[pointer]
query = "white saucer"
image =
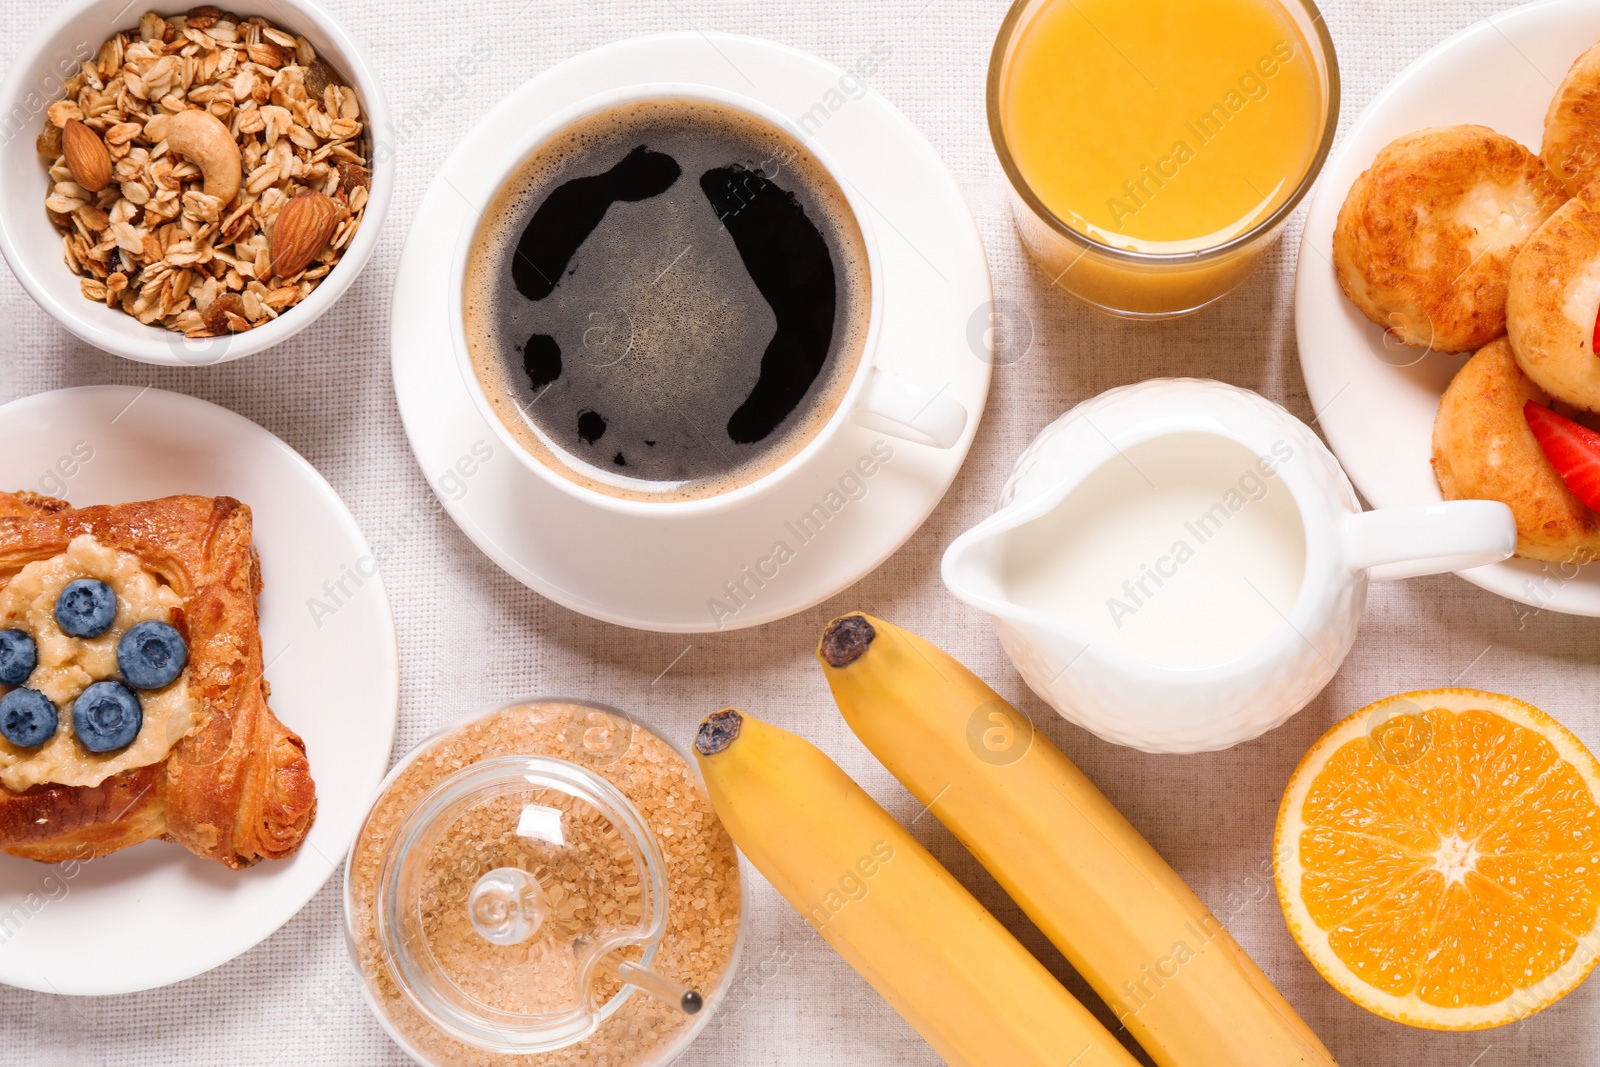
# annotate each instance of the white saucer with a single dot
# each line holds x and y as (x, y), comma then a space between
(1376, 413)
(155, 914)
(672, 575)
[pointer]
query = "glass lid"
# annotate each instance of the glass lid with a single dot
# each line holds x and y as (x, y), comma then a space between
(522, 903)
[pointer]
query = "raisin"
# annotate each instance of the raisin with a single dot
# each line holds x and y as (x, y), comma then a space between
(216, 315)
(352, 177)
(48, 143)
(319, 75)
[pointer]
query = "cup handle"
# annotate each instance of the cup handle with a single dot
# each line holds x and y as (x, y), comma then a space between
(1409, 542)
(910, 410)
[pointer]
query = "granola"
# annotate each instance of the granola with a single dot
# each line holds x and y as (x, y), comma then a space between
(155, 240)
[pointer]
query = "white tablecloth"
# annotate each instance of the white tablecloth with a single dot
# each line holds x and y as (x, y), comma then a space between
(471, 637)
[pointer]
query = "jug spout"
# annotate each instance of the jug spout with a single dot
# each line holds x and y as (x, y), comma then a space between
(972, 567)
(974, 570)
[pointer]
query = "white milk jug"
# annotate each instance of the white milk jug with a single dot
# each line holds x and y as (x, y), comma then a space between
(1180, 565)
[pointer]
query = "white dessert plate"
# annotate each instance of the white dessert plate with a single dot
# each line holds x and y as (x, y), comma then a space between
(154, 914)
(727, 571)
(1375, 400)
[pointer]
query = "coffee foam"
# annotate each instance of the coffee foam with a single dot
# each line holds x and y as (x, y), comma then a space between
(654, 312)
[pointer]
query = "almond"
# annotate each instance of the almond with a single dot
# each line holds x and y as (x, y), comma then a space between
(267, 54)
(87, 157)
(305, 226)
(204, 17)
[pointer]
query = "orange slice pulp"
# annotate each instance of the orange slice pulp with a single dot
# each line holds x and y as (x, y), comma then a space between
(1438, 859)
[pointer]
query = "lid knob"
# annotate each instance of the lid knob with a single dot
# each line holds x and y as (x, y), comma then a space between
(506, 906)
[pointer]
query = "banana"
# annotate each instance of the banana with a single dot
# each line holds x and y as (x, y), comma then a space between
(1170, 970)
(889, 908)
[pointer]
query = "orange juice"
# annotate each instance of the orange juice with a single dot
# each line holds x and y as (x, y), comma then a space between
(1151, 123)
(1156, 147)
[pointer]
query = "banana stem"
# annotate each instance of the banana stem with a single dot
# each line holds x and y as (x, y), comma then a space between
(718, 731)
(846, 640)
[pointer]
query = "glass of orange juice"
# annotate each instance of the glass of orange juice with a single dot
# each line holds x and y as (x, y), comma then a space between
(1155, 148)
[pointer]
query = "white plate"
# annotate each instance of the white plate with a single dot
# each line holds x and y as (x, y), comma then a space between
(1377, 412)
(154, 914)
(671, 575)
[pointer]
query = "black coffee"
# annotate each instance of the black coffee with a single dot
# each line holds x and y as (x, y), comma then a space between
(669, 301)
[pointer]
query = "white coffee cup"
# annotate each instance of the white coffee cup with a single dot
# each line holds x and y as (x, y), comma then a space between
(880, 399)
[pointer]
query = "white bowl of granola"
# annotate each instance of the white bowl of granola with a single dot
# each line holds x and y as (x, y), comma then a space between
(147, 162)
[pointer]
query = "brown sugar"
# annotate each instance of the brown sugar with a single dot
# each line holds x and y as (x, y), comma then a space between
(600, 883)
(701, 872)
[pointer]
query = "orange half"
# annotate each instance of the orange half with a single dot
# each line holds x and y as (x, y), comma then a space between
(1438, 859)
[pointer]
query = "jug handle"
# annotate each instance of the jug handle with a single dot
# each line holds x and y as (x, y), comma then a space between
(1408, 542)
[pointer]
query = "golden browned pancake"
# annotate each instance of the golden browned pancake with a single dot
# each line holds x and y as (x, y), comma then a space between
(1426, 237)
(1572, 125)
(1554, 299)
(1484, 450)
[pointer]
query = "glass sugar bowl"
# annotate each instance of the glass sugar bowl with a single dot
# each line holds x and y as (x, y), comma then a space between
(541, 885)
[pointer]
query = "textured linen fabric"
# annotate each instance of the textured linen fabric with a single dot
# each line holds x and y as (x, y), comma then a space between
(471, 637)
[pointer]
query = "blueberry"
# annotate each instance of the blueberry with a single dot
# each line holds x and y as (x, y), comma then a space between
(106, 716)
(27, 718)
(151, 655)
(18, 657)
(86, 608)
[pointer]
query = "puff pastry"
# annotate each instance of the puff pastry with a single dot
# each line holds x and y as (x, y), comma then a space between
(238, 788)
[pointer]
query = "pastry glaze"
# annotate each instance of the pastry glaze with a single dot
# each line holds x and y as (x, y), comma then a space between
(237, 789)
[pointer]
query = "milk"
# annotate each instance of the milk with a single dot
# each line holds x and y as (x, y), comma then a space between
(1185, 551)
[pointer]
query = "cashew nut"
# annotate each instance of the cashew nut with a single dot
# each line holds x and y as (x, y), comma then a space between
(200, 137)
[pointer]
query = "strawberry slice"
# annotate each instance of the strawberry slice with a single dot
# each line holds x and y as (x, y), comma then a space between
(1573, 450)
(1594, 346)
